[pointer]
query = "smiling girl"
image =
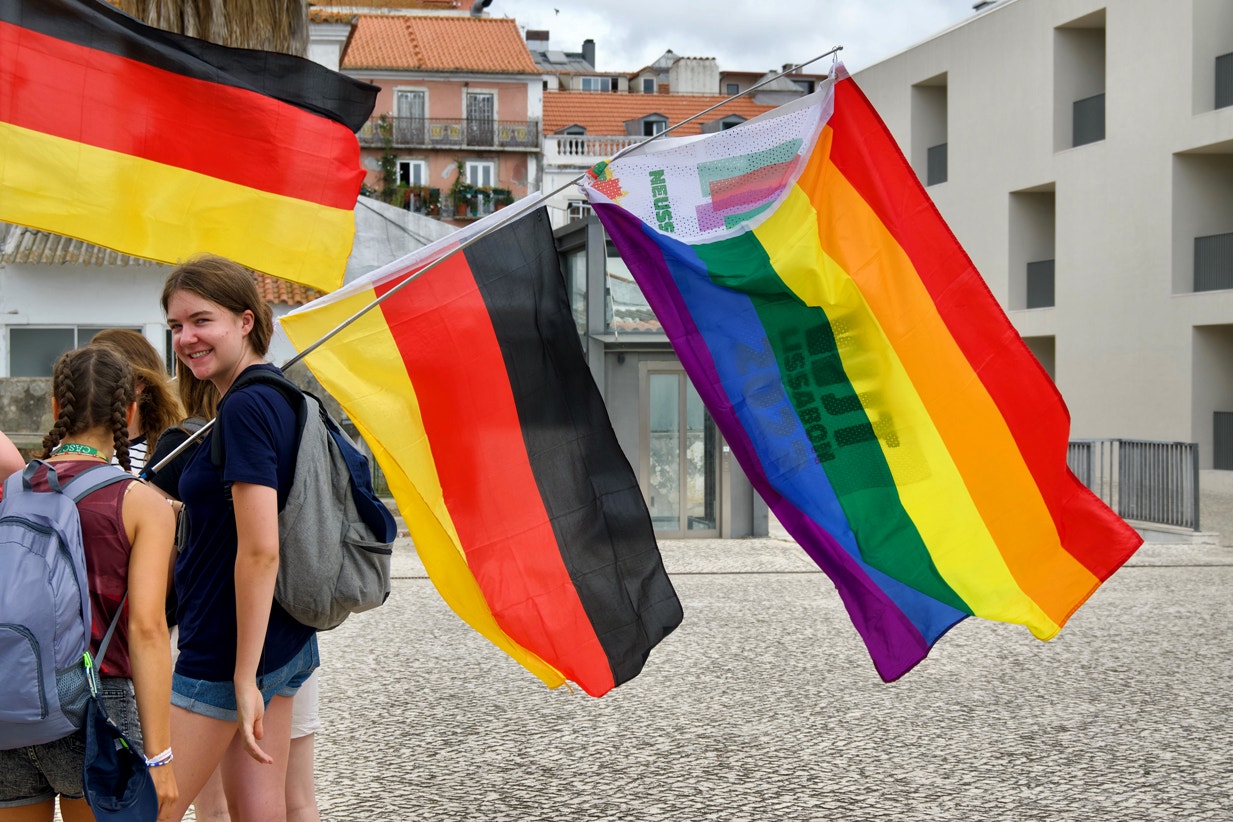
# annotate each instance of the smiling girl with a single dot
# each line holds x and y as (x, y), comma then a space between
(242, 657)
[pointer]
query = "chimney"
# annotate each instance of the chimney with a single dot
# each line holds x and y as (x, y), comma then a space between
(537, 39)
(588, 51)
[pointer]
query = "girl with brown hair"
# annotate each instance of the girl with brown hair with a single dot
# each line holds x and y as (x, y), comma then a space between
(242, 657)
(158, 408)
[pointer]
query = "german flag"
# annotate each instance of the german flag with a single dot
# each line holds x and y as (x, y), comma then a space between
(163, 146)
(470, 385)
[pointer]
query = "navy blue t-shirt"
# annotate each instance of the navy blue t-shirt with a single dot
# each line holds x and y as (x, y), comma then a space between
(258, 427)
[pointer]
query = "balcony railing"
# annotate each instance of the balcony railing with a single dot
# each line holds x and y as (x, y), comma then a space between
(568, 147)
(419, 132)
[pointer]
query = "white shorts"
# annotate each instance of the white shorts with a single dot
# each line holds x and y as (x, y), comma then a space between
(305, 718)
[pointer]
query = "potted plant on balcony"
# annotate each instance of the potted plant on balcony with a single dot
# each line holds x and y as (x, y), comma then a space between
(501, 197)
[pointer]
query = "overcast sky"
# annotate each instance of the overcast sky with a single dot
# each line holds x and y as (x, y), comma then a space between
(743, 35)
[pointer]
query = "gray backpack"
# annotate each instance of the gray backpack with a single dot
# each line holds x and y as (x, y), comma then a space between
(334, 533)
(44, 605)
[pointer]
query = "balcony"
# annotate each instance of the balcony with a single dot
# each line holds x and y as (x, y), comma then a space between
(462, 202)
(418, 132)
(583, 149)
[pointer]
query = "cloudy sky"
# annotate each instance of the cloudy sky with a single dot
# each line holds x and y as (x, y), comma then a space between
(743, 35)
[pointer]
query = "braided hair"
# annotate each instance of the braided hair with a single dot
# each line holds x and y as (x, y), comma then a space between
(94, 387)
(158, 407)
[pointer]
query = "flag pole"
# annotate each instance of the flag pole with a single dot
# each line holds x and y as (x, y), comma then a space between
(543, 198)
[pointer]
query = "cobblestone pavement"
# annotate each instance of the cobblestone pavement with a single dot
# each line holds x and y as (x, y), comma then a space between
(764, 705)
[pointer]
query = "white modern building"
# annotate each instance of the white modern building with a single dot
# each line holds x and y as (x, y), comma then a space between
(1082, 152)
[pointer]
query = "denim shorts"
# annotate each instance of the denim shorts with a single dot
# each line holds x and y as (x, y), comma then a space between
(37, 773)
(217, 699)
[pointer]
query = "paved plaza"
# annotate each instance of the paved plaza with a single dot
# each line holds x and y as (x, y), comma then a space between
(764, 705)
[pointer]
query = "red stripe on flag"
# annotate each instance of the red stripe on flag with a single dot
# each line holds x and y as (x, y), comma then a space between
(445, 337)
(866, 154)
(130, 107)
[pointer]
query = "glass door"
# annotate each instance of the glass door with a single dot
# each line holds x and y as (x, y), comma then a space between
(481, 111)
(680, 475)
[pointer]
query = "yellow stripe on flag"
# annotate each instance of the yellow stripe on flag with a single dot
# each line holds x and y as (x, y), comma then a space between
(974, 431)
(362, 368)
(930, 486)
(59, 185)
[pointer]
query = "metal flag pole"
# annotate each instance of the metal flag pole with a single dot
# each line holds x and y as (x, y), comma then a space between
(540, 200)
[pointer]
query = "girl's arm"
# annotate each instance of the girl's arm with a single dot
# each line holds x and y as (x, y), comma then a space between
(10, 457)
(256, 568)
(151, 531)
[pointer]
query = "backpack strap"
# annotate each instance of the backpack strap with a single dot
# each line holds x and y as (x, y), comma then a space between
(262, 376)
(94, 665)
(192, 425)
(84, 484)
(76, 489)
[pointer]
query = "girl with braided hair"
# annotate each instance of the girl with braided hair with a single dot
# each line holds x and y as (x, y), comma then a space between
(127, 530)
(158, 407)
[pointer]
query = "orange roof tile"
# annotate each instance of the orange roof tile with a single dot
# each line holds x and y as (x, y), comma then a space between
(274, 290)
(427, 43)
(606, 114)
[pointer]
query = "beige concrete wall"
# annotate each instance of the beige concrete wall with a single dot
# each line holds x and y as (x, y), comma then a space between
(1126, 209)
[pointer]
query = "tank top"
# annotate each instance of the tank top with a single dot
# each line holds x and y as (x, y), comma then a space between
(107, 553)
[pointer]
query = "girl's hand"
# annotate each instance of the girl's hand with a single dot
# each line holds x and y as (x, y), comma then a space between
(250, 710)
(165, 785)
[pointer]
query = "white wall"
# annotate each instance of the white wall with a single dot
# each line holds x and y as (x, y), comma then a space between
(1126, 208)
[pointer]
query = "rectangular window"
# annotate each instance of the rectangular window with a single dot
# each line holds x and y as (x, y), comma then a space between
(409, 112)
(935, 165)
(576, 286)
(33, 351)
(1222, 447)
(578, 210)
(412, 172)
(648, 85)
(1089, 124)
(1213, 262)
(1040, 284)
(652, 127)
(597, 83)
(732, 88)
(1224, 80)
(480, 173)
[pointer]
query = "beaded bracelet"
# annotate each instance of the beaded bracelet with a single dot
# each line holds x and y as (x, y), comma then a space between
(161, 759)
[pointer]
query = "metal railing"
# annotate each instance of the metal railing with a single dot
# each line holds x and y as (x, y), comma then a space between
(1142, 480)
(421, 132)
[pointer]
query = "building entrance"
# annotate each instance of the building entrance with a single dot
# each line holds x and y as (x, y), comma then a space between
(680, 468)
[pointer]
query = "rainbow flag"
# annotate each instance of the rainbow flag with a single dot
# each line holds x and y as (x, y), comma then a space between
(865, 378)
(163, 146)
(470, 386)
